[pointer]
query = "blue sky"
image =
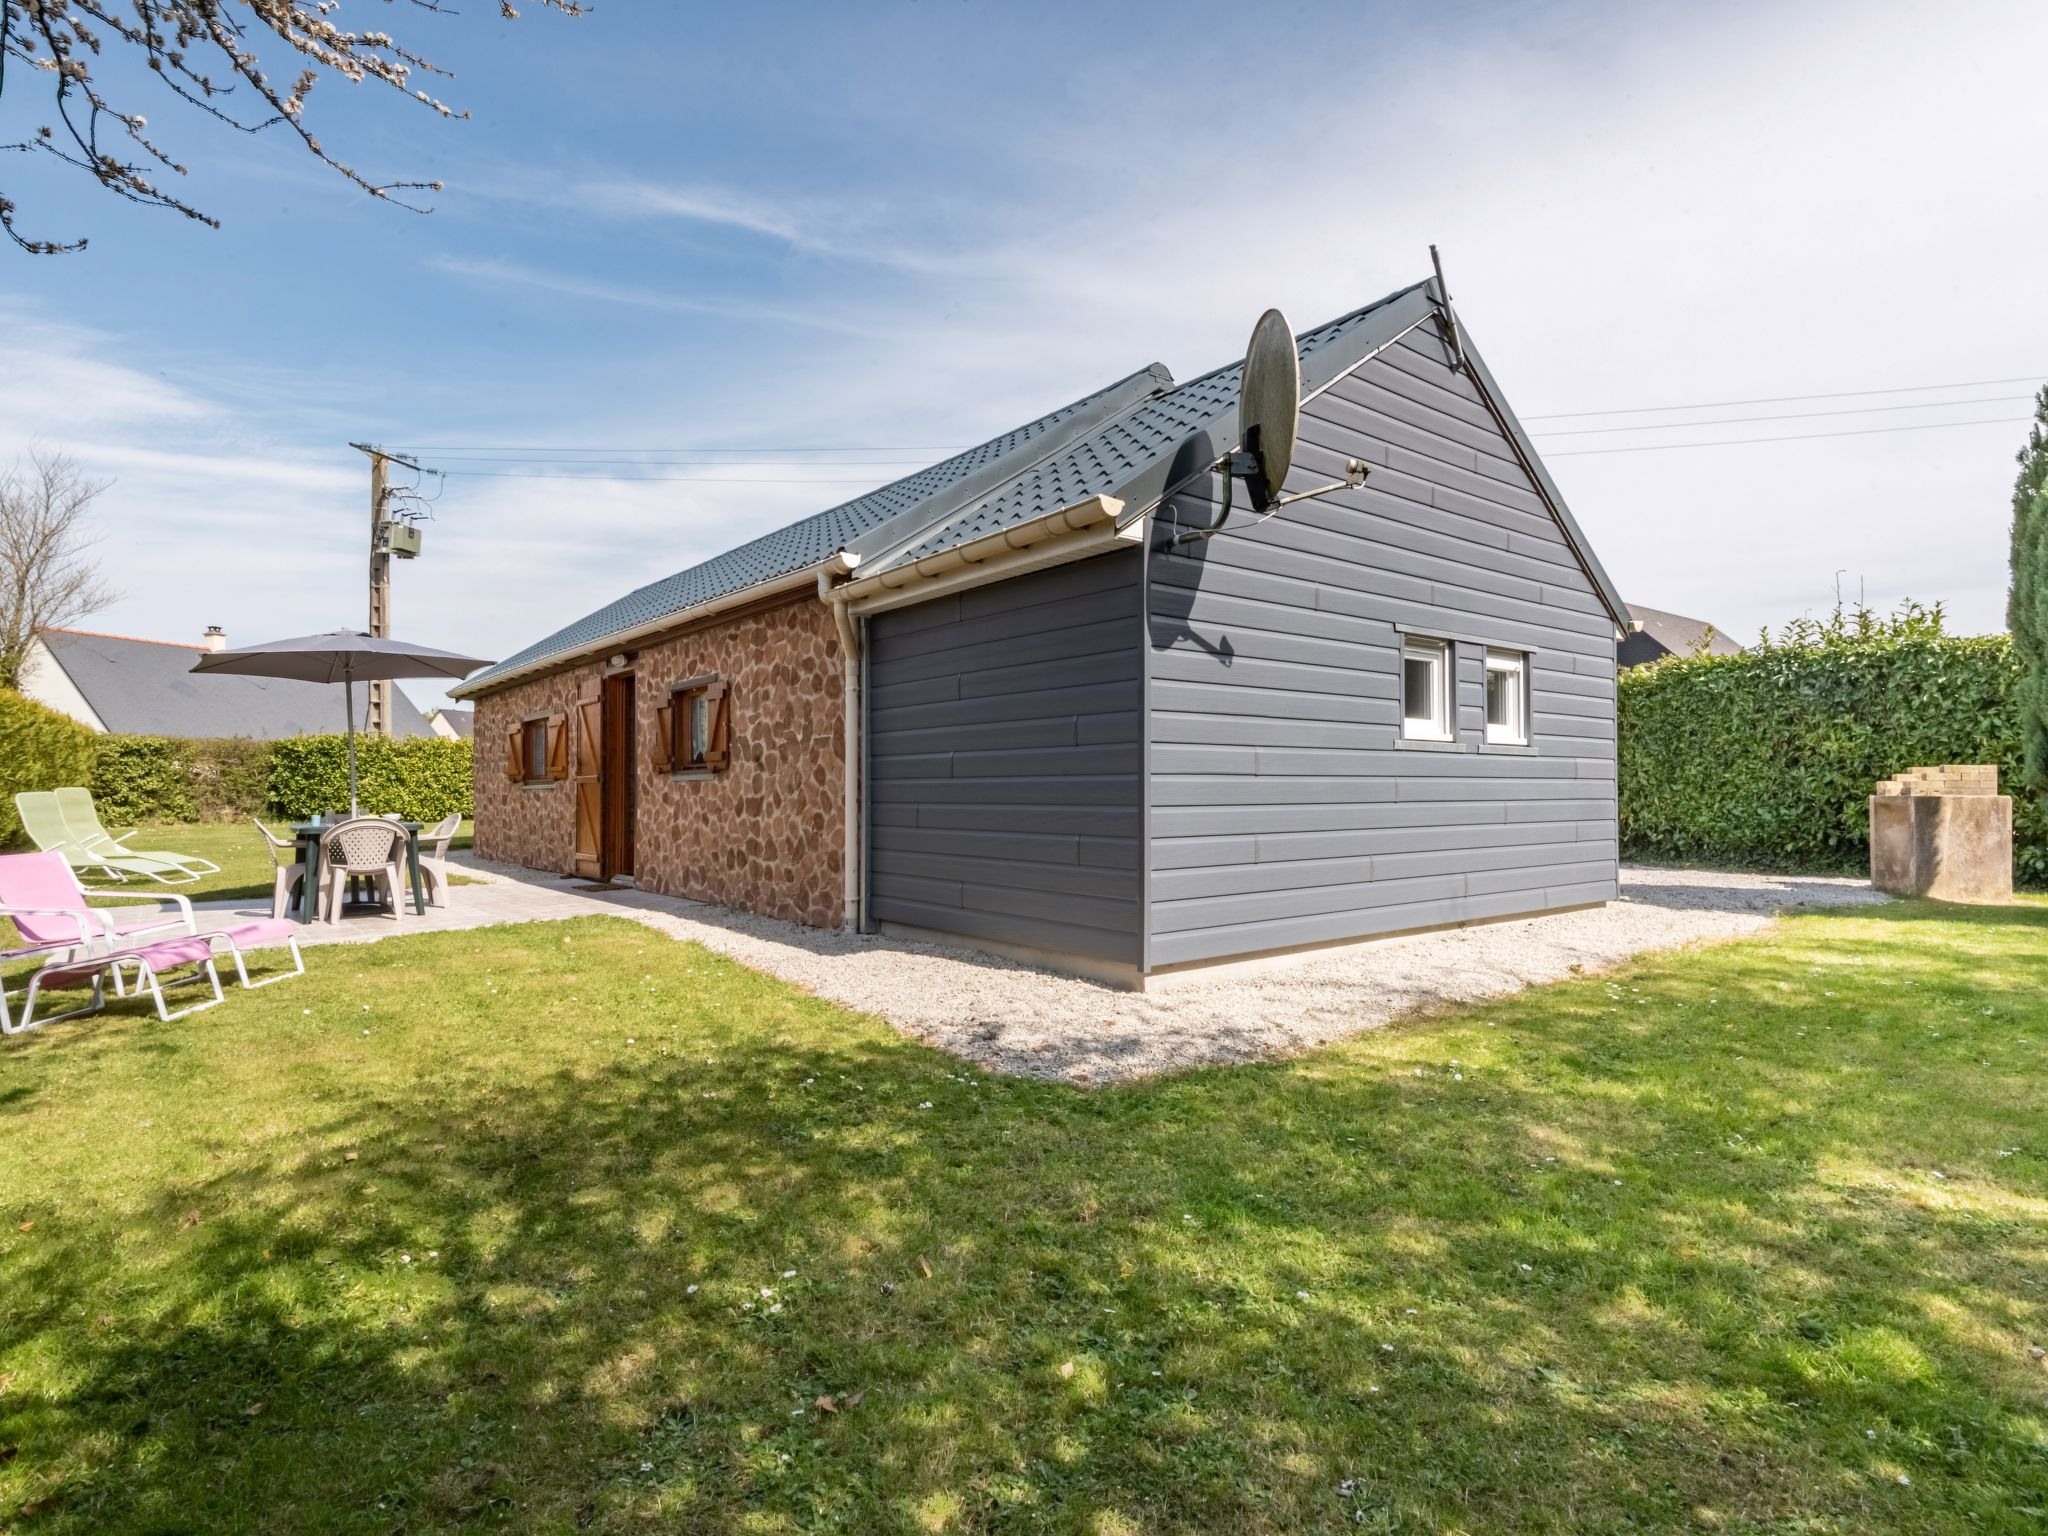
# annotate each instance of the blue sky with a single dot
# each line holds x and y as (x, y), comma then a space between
(888, 229)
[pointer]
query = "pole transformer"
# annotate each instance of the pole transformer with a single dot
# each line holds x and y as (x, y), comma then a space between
(383, 541)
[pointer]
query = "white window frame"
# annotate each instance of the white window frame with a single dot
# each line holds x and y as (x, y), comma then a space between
(1436, 724)
(1514, 731)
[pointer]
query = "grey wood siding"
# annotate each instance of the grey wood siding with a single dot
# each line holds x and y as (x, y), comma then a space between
(1004, 747)
(1282, 807)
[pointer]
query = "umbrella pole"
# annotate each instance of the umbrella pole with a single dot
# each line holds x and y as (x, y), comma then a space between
(348, 694)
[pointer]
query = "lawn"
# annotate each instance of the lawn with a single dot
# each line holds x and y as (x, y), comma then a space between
(571, 1228)
(246, 872)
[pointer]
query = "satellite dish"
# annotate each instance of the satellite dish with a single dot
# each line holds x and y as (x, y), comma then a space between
(1269, 419)
(1269, 409)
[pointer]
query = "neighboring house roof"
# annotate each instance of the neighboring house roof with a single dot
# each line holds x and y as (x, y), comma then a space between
(1671, 634)
(1131, 441)
(146, 688)
(461, 721)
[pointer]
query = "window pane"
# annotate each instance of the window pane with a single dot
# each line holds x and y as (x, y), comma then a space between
(536, 744)
(1507, 699)
(1417, 689)
(1500, 696)
(700, 727)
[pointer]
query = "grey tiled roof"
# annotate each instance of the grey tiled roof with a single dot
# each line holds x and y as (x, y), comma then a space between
(802, 543)
(1103, 458)
(1673, 634)
(147, 688)
(1101, 464)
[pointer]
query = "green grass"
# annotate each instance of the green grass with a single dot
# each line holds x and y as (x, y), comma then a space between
(246, 872)
(479, 1231)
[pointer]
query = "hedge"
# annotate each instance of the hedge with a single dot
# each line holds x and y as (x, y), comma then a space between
(160, 778)
(39, 749)
(137, 780)
(421, 778)
(1767, 759)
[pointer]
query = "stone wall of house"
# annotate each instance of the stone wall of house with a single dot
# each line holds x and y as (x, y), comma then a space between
(765, 835)
(530, 824)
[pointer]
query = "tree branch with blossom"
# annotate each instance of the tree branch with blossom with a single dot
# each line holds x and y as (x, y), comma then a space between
(205, 54)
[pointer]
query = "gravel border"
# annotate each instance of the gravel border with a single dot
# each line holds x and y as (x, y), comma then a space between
(1013, 1018)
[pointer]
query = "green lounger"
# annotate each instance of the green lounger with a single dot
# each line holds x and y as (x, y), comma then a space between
(45, 826)
(82, 817)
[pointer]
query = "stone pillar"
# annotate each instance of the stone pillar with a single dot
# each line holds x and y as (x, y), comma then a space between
(1942, 832)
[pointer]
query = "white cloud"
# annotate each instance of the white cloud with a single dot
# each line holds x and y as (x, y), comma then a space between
(1685, 205)
(518, 274)
(52, 381)
(824, 226)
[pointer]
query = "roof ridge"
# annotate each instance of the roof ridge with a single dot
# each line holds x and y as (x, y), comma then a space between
(107, 634)
(936, 464)
(1331, 324)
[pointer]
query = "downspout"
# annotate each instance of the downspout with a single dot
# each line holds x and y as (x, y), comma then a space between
(849, 658)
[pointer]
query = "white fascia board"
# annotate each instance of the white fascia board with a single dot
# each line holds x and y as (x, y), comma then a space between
(1072, 533)
(626, 639)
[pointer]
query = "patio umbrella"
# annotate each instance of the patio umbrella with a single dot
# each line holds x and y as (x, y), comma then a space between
(340, 656)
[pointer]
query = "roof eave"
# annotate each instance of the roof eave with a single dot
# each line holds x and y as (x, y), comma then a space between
(836, 563)
(910, 527)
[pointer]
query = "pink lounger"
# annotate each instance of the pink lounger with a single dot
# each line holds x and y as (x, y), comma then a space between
(265, 930)
(150, 962)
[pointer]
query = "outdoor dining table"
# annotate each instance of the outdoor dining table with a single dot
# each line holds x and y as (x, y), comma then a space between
(310, 837)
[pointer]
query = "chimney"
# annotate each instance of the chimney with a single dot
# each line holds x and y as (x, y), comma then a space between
(215, 638)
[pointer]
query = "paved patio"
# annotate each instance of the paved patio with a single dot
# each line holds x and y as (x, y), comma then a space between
(1013, 1018)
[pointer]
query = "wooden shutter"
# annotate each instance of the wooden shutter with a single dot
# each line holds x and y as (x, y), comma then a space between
(589, 778)
(665, 738)
(515, 753)
(558, 747)
(717, 751)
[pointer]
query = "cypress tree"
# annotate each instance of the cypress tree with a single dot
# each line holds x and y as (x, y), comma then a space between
(2027, 608)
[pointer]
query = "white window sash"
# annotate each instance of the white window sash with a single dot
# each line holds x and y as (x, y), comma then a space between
(1514, 667)
(1435, 725)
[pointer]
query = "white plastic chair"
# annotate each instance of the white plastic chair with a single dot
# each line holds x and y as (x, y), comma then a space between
(434, 866)
(368, 848)
(288, 874)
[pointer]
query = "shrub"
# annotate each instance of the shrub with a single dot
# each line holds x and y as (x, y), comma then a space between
(422, 778)
(160, 778)
(39, 749)
(1768, 758)
(142, 778)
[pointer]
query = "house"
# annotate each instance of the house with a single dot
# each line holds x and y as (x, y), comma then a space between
(452, 724)
(146, 688)
(1654, 633)
(1035, 699)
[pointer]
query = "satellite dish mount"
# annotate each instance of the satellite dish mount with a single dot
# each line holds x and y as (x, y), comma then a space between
(1269, 422)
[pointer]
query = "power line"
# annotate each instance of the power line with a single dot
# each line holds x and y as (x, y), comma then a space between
(487, 450)
(1733, 421)
(1846, 394)
(564, 459)
(1792, 437)
(593, 458)
(523, 474)
(1562, 453)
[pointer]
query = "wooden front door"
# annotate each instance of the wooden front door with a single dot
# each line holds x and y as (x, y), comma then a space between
(620, 798)
(589, 779)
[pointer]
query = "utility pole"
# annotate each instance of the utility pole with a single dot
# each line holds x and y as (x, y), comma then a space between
(378, 721)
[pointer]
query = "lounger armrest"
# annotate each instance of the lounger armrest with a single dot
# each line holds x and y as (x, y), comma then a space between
(160, 898)
(89, 917)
